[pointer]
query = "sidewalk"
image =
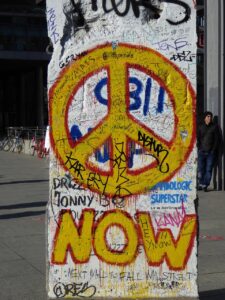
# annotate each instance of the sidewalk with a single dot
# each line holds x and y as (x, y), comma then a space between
(211, 257)
(23, 199)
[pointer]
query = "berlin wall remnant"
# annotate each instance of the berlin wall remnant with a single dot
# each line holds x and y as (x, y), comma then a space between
(121, 215)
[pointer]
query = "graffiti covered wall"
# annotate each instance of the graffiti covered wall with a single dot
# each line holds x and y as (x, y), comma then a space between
(121, 215)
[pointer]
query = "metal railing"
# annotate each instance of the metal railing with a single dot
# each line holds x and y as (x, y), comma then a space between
(16, 137)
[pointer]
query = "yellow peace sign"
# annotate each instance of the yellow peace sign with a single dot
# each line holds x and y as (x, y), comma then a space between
(119, 126)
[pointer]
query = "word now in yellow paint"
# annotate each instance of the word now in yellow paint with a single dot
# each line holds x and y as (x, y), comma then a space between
(78, 239)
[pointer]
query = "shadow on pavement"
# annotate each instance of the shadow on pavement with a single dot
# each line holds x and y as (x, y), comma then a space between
(24, 181)
(22, 215)
(212, 295)
(24, 205)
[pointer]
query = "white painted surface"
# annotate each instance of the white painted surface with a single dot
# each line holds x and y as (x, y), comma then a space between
(87, 108)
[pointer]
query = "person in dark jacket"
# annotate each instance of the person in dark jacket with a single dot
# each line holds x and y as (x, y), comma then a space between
(207, 143)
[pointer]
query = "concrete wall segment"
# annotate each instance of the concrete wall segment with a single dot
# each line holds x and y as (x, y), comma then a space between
(121, 217)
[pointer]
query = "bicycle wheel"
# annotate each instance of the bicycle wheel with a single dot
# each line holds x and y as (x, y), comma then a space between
(19, 148)
(8, 145)
(2, 143)
(18, 145)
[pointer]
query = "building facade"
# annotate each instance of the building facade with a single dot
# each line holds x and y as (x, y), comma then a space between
(23, 60)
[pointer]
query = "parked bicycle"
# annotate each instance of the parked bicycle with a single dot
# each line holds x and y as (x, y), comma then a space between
(13, 141)
(6, 144)
(38, 146)
(27, 139)
(18, 144)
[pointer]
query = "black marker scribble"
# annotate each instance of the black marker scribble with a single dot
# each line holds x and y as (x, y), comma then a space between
(187, 12)
(75, 12)
(151, 11)
(74, 289)
(75, 21)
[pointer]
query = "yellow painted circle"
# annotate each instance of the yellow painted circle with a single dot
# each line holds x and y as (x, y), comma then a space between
(119, 125)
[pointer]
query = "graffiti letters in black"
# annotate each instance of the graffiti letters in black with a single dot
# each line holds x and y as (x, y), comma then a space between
(74, 164)
(152, 8)
(75, 10)
(115, 6)
(187, 13)
(183, 56)
(120, 165)
(158, 152)
(74, 289)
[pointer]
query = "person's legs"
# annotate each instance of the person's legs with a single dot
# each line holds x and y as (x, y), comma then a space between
(208, 169)
(201, 168)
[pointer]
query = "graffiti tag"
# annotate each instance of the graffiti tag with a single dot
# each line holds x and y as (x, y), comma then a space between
(83, 290)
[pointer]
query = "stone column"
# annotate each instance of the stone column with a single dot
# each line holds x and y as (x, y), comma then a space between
(214, 70)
